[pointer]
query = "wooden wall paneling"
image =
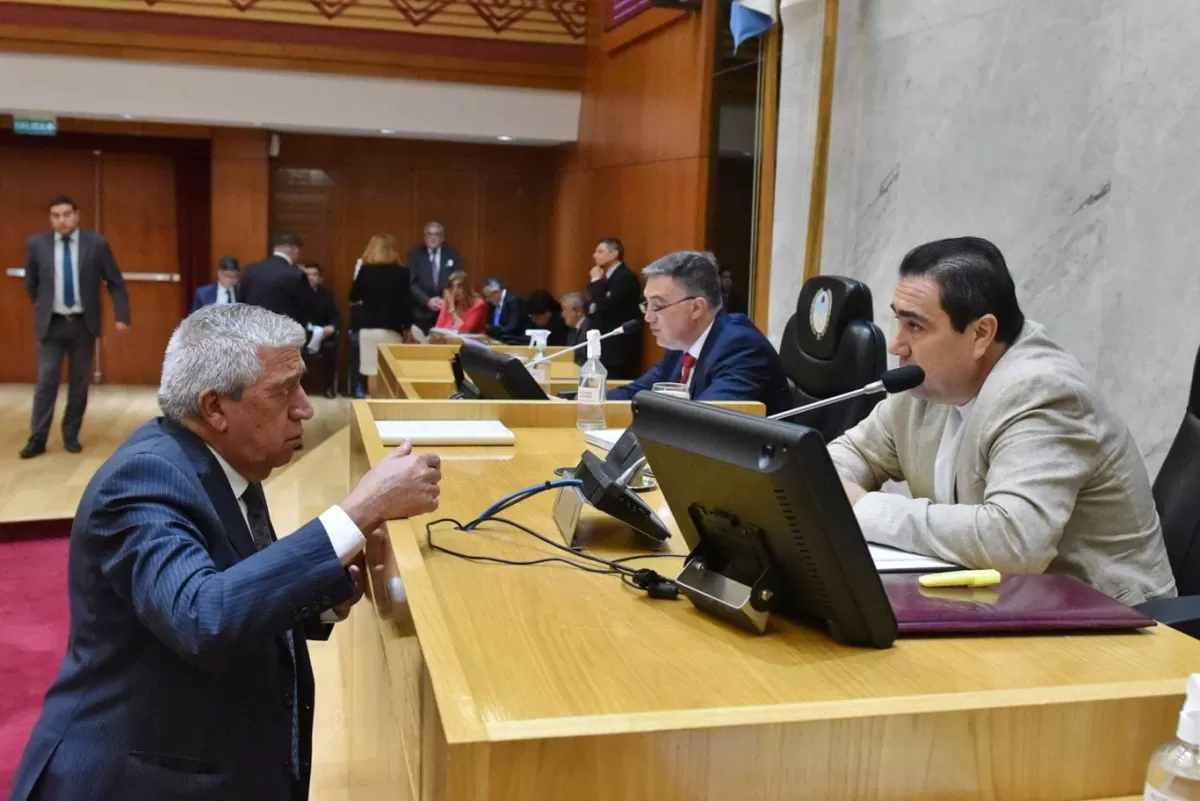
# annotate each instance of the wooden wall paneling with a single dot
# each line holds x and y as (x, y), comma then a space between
(99, 33)
(137, 196)
(302, 200)
(241, 190)
(571, 232)
(29, 180)
(515, 221)
(452, 198)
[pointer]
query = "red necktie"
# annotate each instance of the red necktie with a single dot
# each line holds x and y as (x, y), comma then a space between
(689, 361)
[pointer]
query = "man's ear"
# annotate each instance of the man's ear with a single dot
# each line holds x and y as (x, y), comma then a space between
(210, 408)
(985, 330)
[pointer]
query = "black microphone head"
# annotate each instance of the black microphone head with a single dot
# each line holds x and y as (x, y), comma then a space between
(629, 326)
(903, 378)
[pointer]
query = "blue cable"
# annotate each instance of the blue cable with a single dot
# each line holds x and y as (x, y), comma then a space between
(521, 495)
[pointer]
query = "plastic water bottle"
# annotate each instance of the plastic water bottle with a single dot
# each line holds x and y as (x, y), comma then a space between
(592, 387)
(538, 339)
(1174, 771)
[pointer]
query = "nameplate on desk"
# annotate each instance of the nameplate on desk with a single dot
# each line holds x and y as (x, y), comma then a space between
(445, 432)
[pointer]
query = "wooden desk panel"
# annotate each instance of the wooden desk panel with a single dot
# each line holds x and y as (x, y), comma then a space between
(547, 682)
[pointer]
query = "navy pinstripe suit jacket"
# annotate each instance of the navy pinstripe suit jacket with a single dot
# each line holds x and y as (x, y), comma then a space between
(177, 683)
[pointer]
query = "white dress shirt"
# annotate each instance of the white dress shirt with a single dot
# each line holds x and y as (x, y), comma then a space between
(608, 273)
(59, 306)
(947, 454)
(224, 295)
(344, 536)
(695, 350)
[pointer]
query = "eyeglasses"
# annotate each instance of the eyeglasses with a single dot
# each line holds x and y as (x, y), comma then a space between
(646, 307)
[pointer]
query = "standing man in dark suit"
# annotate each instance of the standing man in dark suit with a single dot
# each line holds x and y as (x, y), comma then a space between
(187, 672)
(615, 292)
(225, 290)
(278, 283)
(326, 318)
(719, 356)
(429, 267)
(574, 312)
(507, 320)
(63, 271)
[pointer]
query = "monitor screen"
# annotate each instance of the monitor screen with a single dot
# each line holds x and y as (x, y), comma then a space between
(498, 376)
(760, 497)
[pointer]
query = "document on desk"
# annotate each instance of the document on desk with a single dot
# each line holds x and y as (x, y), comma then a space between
(604, 438)
(894, 560)
(445, 432)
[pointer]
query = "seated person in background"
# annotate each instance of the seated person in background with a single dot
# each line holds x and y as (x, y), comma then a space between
(545, 313)
(463, 310)
(719, 356)
(1013, 460)
(507, 320)
(224, 290)
(325, 317)
(574, 312)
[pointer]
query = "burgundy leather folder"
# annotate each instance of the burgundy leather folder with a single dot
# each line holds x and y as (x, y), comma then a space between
(1021, 602)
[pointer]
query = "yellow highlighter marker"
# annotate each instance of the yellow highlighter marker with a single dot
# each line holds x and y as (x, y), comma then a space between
(961, 578)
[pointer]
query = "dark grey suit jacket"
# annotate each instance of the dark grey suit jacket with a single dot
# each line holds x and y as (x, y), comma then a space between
(96, 264)
(421, 272)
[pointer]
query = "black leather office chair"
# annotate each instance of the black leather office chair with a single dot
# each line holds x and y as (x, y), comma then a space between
(830, 346)
(1177, 497)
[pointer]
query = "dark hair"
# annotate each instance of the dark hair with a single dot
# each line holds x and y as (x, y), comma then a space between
(312, 265)
(228, 264)
(696, 270)
(493, 284)
(973, 280)
(612, 243)
(540, 301)
(63, 200)
(287, 239)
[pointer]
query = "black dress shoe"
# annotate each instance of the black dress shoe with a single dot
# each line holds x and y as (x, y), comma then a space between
(331, 393)
(33, 448)
(73, 446)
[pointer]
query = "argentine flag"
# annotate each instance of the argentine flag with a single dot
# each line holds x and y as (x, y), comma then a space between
(750, 18)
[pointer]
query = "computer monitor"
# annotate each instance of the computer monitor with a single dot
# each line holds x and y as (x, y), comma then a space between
(766, 517)
(498, 376)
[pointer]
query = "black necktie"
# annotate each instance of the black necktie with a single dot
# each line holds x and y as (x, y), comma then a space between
(263, 535)
(257, 516)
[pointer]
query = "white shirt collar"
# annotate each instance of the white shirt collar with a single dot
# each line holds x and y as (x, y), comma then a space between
(608, 273)
(73, 236)
(236, 482)
(965, 410)
(698, 345)
(284, 256)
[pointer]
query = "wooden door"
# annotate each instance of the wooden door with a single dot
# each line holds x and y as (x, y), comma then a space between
(29, 180)
(137, 216)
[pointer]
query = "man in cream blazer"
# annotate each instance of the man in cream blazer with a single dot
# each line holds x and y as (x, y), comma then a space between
(1013, 461)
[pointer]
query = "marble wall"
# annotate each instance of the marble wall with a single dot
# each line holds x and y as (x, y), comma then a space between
(1066, 131)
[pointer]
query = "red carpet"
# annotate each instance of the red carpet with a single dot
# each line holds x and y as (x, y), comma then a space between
(33, 629)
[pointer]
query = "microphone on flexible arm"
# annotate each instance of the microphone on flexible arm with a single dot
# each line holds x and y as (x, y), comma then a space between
(901, 379)
(627, 327)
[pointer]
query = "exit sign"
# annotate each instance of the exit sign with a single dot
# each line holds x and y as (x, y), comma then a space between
(32, 127)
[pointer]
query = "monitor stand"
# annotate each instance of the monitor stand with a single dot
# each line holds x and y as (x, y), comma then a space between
(711, 589)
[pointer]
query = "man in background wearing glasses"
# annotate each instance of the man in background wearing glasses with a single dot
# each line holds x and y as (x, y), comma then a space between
(717, 356)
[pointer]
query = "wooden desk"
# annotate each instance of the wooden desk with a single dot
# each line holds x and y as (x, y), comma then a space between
(423, 372)
(550, 683)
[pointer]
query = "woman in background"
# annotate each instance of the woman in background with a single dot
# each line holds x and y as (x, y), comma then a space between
(382, 287)
(464, 310)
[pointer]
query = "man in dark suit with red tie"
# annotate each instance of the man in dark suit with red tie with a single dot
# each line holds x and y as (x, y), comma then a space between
(64, 268)
(719, 356)
(429, 267)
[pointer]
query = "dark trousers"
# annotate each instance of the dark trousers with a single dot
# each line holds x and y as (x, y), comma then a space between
(357, 384)
(69, 337)
(328, 351)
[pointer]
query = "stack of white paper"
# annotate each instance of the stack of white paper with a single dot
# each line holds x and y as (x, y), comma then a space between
(445, 432)
(893, 560)
(604, 438)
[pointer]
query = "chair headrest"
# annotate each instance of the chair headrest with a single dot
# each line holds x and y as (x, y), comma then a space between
(827, 304)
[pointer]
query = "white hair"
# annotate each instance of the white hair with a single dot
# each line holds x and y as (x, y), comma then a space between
(218, 348)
